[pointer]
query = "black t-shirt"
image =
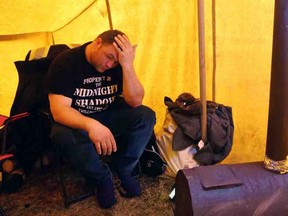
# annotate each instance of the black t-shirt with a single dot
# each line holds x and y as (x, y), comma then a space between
(71, 75)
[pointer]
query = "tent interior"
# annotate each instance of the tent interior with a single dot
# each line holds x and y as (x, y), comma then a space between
(238, 51)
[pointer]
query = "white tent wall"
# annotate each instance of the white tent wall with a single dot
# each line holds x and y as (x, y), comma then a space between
(166, 32)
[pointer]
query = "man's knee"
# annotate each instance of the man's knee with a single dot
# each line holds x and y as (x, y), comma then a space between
(148, 115)
(61, 134)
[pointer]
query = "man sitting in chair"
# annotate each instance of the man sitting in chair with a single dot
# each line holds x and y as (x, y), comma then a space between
(95, 98)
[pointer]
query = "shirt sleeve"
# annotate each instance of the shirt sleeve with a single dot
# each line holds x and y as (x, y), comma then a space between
(60, 78)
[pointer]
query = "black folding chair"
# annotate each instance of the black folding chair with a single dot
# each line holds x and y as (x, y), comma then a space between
(32, 96)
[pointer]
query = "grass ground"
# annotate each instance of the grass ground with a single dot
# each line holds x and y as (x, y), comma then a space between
(41, 195)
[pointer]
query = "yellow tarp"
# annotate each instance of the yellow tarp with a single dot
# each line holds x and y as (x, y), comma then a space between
(166, 32)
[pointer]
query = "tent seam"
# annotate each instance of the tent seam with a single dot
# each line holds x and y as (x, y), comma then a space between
(85, 9)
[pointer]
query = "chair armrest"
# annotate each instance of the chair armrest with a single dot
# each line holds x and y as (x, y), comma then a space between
(4, 120)
(19, 116)
(5, 156)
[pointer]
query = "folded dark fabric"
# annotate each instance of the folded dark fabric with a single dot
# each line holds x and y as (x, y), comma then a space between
(186, 112)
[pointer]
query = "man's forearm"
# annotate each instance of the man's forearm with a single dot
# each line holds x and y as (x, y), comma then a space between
(63, 113)
(133, 90)
(100, 135)
(72, 118)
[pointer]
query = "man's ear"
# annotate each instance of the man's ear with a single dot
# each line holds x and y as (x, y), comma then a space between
(98, 41)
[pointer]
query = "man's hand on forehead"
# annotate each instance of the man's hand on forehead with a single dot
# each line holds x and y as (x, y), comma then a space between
(126, 52)
(118, 47)
(122, 42)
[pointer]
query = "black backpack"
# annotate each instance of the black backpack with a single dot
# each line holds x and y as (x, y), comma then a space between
(151, 163)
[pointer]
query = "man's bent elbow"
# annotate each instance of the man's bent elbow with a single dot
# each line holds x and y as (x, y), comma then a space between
(56, 117)
(134, 103)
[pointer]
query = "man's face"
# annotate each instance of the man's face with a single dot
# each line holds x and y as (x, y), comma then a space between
(104, 56)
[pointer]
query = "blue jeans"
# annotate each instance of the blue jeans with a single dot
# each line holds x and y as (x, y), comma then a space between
(131, 127)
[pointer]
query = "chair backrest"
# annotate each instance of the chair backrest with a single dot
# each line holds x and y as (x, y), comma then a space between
(31, 95)
(30, 135)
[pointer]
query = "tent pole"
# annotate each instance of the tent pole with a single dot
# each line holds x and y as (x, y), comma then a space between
(214, 50)
(109, 14)
(276, 158)
(201, 40)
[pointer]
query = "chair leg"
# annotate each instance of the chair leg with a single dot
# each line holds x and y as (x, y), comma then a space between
(139, 168)
(68, 200)
(62, 182)
(3, 142)
(2, 213)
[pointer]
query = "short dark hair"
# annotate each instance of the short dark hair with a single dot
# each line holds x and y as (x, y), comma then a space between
(108, 36)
